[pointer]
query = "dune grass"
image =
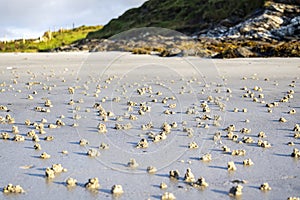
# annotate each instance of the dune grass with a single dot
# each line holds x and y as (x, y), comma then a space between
(59, 38)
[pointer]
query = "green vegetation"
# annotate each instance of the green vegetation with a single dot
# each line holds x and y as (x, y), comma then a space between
(49, 40)
(185, 16)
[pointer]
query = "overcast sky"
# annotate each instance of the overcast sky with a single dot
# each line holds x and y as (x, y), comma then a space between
(31, 18)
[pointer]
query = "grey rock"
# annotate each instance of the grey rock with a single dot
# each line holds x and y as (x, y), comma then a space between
(275, 22)
(243, 52)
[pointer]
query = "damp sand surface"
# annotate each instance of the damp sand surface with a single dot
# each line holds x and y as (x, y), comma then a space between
(133, 113)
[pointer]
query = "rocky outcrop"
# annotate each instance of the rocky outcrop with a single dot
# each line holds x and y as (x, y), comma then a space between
(277, 21)
(291, 30)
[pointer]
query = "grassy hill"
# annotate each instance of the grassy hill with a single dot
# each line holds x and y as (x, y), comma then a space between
(49, 40)
(185, 16)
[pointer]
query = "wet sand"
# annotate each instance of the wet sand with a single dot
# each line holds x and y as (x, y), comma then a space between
(202, 96)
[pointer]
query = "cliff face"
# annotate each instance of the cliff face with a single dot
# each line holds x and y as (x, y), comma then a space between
(189, 17)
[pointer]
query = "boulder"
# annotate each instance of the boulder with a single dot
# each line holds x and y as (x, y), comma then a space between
(171, 52)
(243, 52)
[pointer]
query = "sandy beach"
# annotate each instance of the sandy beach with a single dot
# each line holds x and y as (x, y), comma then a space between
(116, 101)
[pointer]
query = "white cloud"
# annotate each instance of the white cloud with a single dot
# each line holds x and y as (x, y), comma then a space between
(31, 18)
(11, 33)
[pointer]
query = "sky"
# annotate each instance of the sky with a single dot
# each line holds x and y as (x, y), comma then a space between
(31, 18)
